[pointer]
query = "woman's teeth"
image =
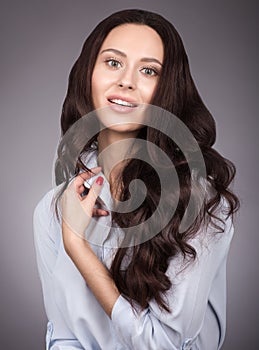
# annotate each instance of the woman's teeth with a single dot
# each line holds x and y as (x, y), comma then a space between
(122, 103)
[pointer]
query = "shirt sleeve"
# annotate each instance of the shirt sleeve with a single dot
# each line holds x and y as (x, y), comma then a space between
(58, 334)
(197, 300)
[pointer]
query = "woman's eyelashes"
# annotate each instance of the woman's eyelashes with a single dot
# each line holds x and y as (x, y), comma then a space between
(149, 71)
(113, 63)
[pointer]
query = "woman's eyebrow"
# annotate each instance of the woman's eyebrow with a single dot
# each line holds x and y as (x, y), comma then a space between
(144, 59)
(151, 59)
(117, 52)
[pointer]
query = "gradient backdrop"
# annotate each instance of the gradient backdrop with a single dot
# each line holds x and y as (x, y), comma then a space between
(39, 42)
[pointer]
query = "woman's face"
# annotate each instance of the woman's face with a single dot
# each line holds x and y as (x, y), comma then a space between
(127, 70)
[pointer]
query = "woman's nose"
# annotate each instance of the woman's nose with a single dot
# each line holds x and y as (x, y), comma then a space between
(126, 85)
(127, 80)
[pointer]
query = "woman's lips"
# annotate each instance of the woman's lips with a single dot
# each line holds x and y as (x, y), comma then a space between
(121, 105)
(121, 102)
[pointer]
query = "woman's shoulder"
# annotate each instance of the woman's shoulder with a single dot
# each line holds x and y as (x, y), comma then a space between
(45, 205)
(45, 221)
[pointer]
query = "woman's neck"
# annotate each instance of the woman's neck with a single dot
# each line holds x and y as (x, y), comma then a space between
(114, 150)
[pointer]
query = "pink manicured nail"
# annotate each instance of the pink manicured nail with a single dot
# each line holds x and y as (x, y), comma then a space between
(99, 181)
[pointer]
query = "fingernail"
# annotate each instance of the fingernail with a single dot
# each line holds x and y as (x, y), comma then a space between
(99, 180)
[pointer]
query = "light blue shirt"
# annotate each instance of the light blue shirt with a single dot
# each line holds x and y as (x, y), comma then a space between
(77, 321)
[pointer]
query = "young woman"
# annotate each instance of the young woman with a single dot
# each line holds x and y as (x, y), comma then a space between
(166, 288)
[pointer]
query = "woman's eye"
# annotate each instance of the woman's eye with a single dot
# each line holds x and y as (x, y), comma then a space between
(149, 71)
(113, 63)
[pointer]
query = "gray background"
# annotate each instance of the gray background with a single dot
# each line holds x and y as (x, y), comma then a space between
(39, 42)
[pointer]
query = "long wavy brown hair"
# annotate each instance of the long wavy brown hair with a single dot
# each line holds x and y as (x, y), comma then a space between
(144, 277)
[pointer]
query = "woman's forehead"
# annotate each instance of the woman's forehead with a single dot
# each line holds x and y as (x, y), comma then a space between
(143, 39)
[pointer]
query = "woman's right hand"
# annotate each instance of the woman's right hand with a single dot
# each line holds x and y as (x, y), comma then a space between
(78, 209)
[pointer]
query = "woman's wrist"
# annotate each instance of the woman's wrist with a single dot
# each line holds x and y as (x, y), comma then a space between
(73, 241)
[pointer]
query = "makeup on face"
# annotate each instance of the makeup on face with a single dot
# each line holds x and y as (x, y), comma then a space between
(126, 72)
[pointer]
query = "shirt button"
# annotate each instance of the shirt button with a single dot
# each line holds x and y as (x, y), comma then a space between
(187, 344)
(49, 327)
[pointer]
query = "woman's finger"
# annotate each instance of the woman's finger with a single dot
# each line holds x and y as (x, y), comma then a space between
(73, 214)
(89, 201)
(82, 192)
(77, 213)
(82, 177)
(100, 212)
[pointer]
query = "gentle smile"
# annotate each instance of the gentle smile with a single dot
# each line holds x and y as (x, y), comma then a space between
(122, 103)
